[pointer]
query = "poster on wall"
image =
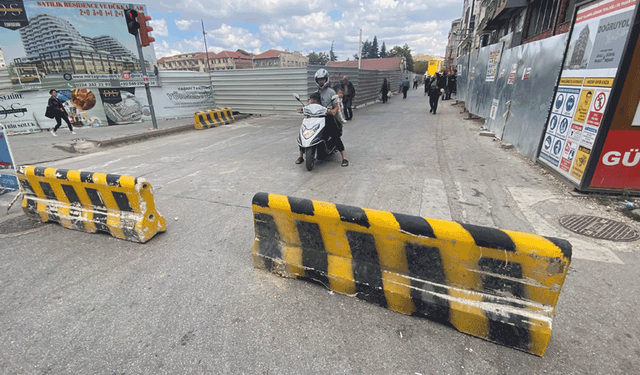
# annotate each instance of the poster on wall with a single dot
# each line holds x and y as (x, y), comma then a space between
(494, 61)
(72, 44)
(16, 114)
(591, 64)
(182, 100)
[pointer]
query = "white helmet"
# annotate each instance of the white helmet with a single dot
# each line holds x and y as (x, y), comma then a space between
(322, 73)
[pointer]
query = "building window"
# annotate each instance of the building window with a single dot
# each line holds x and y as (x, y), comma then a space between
(541, 16)
(568, 12)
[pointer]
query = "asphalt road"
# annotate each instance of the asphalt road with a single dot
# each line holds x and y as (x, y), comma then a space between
(190, 301)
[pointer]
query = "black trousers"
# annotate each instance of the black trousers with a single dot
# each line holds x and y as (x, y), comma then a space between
(404, 92)
(433, 101)
(348, 112)
(384, 96)
(59, 119)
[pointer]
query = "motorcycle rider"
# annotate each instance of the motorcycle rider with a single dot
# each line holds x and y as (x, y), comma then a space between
(331, 129)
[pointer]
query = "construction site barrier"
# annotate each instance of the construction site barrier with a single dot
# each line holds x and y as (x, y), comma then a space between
(213, 117)
(498, 285)
(122, 206)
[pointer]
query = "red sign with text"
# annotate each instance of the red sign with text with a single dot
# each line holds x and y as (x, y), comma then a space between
(619, 164)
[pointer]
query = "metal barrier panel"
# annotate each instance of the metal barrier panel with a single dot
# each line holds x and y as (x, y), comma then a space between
(499, 285)
(523, 101)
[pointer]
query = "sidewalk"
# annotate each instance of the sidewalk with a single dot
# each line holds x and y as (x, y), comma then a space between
(39, 148)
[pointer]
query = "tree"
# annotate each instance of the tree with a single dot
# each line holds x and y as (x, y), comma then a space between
(332, 55)
(374, 48)
(420, 67)
(318, 58)
(356, 57)
(383, 51)
(366, 49)
(405, 51)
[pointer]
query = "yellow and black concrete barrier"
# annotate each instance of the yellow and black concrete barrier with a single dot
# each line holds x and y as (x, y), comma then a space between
(213, 117)
(496, 284)
(120, 205)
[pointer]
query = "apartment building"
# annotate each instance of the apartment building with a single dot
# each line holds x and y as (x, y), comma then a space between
(274, 58)
(197, 61)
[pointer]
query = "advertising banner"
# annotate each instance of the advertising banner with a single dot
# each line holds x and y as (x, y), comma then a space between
(494, 61)
(71, 44)
(17, 115)
(8, 181)
(590, 67)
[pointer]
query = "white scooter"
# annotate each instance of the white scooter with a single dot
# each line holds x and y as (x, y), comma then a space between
(310, 138)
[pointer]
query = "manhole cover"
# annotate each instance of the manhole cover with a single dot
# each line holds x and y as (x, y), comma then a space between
(598, 227)
(19, 224)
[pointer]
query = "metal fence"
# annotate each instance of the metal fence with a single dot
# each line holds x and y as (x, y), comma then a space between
(269, 90)
(523, 102)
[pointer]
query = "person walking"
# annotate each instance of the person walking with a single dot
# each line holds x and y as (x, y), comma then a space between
(415, 82)
(349, 93)
(384, 90)
(451, 83)
(56, 109)
(434, 92)
(404, 87)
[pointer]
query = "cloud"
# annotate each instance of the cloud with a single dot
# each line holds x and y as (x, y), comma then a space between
(233, 38)
(163, 49)
(159, 27)
(185, 24)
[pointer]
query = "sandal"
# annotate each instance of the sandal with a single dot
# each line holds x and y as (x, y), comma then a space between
(345, 162)
(300, 160)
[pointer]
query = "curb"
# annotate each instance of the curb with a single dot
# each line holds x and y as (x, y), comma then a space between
(154, 134)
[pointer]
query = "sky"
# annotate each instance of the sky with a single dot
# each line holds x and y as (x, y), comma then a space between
(300, 25)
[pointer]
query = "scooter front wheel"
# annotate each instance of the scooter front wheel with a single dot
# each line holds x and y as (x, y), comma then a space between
(309, 155)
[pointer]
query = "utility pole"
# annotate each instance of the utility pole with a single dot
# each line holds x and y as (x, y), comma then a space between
(360, 51)
(206, 54)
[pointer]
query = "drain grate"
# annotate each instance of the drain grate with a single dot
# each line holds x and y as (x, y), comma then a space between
(598, 227)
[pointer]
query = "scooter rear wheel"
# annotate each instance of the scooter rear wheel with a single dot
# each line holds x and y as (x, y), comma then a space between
(309, 155)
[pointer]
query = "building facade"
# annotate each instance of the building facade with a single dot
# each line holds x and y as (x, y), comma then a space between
(274, 58)
(53, 46)
(197, 62)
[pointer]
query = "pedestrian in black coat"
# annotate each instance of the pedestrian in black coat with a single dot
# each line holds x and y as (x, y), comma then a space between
(434, 92)
(59, 112)
(384, 90)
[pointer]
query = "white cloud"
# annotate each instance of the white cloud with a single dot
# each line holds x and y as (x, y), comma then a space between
(163, 49)
(185, 24)
(233, 38)
(159, 27)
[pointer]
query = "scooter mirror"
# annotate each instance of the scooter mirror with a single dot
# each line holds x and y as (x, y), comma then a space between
(296, 96)
(335, 97)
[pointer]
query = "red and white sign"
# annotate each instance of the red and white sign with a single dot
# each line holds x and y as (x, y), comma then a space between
(145, 79)
(512, 74)
(526, 74)
(619, 164)
(126, 75)
(602, 8)
(596, 111)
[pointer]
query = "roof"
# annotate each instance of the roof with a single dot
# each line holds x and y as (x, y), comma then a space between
(387, 63)
(270, 54)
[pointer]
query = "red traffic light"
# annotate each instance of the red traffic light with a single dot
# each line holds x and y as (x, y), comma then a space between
(131, 17)
(145, 38)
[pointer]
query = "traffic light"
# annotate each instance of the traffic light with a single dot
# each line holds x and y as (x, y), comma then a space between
(145, 39)
(132, 21)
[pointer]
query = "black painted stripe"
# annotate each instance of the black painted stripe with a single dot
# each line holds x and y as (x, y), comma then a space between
(261, 199)
(26, 186)
(564, 245)
(268, 239)
(514, 331)
(86, 177)
(415, 225)
(314, 254)
(301, 206)
(490, 237)
(62, 174)
(75, 216)
(210, 119)
(366, 268)
(113, 180)
(122, 201)
(48, 190)
(355, 215)
(217, 116)
(128, 229)
(95, 197)
(71, 194)
(39, 171)
(425, 263)
(100, 220)
(32, 207)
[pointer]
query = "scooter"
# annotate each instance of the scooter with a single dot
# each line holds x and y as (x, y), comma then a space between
(310, 137)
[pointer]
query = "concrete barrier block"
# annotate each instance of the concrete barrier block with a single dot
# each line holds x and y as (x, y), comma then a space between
(122, 206)
(498, 285)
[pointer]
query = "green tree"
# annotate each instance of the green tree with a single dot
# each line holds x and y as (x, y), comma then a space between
(420, 67)
(332, 55)
(374, 48)
(356, 57)
(366, 49)
(405, 51)
(383, 51)
(318, 58)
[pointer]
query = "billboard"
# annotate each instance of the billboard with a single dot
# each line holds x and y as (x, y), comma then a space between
(590, 69)
(71, 45)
